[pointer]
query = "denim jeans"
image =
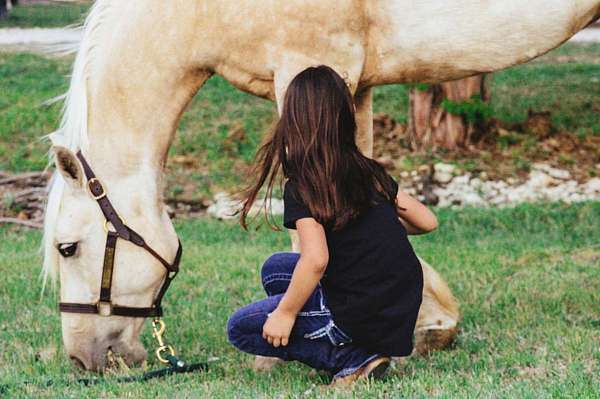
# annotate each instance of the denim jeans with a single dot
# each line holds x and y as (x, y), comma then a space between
(315, 340)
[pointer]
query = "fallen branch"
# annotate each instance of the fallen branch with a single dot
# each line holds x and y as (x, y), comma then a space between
(36, 193)
(27, 223)
(24, 176)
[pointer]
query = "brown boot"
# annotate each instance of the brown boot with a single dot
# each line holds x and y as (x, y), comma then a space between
(373, 370)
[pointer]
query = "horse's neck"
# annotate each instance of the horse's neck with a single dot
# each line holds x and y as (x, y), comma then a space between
(139, 82)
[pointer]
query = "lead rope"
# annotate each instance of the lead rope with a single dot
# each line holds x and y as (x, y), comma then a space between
(176, 366)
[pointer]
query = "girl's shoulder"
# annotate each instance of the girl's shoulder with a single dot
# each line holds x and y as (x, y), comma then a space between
(290, 191)
(293, 207)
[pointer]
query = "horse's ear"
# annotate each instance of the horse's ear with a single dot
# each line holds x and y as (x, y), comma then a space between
(68, 166)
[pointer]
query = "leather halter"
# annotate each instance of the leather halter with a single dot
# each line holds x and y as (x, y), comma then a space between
(104, 306)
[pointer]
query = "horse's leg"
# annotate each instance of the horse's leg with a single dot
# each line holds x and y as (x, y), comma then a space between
(363, 100)
(438, 315)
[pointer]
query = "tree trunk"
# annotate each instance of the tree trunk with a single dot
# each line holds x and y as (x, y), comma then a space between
(449, 115)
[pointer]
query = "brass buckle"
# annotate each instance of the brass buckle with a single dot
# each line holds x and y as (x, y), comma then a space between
(105, 309)
(89, 187)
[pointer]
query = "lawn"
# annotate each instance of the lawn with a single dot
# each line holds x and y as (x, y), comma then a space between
(45, 15)
(528, 280)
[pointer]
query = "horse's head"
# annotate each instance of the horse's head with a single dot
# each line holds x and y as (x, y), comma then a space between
(76, 244)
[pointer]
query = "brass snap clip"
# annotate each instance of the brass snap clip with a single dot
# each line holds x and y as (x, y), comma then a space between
(163, 348)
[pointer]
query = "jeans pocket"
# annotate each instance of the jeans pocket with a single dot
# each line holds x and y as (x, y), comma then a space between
(337, 336)
(330, 332)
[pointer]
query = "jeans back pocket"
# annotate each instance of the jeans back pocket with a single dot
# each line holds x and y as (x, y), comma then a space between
(332, 332)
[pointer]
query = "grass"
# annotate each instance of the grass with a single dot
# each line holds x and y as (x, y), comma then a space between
(45, 15)
(528, 280)
(564, 82)
(27, 82)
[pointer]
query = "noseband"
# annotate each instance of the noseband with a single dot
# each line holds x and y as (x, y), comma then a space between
(104, 305)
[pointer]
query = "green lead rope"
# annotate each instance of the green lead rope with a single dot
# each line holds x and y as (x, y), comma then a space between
(176, 366)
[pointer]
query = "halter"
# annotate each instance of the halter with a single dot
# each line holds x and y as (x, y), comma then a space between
(104, 306)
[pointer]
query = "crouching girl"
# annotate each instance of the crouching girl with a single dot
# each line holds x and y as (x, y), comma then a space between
(349, 300)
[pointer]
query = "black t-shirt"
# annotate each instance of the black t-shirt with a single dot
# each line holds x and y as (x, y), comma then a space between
(374, 282)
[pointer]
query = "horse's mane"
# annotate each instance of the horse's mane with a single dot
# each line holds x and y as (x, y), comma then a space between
(72, 131)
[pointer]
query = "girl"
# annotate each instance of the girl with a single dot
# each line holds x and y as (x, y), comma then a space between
(350, 299)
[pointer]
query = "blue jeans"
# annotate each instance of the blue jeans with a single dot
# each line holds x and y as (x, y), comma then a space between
(315, 340)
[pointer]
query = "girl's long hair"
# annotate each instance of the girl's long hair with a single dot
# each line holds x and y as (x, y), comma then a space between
(314, 143)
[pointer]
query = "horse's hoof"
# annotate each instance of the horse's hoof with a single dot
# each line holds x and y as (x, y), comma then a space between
(262, 363)
(429, 339)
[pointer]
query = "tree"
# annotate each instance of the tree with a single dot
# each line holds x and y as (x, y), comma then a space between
(449, 115)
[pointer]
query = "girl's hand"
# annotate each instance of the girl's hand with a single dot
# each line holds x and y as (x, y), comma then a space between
(278, 327)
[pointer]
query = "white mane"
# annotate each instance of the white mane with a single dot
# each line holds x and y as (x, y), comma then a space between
(72, 132)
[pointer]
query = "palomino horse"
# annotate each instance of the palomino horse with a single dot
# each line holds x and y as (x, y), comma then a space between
(141, 62)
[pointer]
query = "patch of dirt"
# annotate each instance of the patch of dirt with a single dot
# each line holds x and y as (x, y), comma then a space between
(22, 198)
(507, 150)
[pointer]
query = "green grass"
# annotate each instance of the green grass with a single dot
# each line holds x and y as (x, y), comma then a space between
(45, 15)
(27, 82)
(528, 280)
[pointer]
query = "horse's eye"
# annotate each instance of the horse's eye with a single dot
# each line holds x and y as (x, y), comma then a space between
(67, 249)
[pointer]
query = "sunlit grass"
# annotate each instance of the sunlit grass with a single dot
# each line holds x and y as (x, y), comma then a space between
(528, 280)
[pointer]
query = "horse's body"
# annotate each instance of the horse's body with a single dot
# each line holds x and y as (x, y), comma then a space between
(142, 61)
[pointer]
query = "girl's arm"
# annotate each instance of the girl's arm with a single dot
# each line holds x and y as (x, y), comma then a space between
(314, 257)
(416, 217)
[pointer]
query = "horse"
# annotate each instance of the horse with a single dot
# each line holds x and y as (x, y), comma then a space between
(140, 63)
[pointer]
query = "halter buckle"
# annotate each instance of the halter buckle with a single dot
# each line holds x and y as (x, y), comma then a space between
(96, 184)
(105, 309)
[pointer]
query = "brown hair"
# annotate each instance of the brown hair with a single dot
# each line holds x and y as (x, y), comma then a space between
(314, 143)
